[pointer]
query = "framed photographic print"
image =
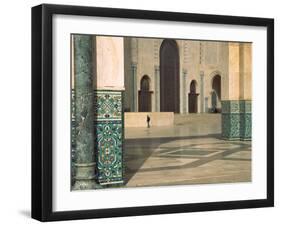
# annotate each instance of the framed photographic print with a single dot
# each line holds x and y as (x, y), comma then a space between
(145, 112)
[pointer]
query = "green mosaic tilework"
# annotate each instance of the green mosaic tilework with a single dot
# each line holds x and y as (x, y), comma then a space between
(231, 126)
(246, 126)
(108, 142)
(245, 106)
(108, 105)
(108, 124)
(245, 120)
(232, 106)
(236, 120)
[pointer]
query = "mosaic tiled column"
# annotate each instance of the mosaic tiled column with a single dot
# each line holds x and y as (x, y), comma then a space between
(108, 110)
(245, 120)
(109, 136)
(230, 96)
(84, 154)
(245, 90)
(231, 119)
(236, 120)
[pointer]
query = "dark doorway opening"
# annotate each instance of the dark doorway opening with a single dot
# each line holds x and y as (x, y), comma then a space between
(216, 93)
(145, 95)
(169, 77)
(193, 98)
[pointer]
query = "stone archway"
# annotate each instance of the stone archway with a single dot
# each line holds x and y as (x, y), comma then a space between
(145, 95)
(193, 98)
(169, 77)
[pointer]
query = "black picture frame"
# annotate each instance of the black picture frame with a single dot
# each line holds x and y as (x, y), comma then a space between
(42, 106)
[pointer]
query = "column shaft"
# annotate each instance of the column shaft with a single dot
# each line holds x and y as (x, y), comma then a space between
(134, 87)
(184, 91)
(230, 103)
(84, 154)
(108, 110)
(236, 106)
(202, 91)
(157, 88)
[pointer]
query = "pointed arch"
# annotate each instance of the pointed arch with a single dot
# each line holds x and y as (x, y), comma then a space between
(169, 76)
(193, 97)
(145, 95)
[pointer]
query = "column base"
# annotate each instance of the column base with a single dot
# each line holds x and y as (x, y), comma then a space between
(84, 185)
(112, 183)
(84, 176)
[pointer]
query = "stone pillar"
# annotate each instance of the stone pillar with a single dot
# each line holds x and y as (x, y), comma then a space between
(108, 110)
(202, 92)
(134, 87)
(157, 88)
(84, 143)
(230, 102)
(184, 75)
(245, 120)
(245, 91)
(206, 104)
(236, 103)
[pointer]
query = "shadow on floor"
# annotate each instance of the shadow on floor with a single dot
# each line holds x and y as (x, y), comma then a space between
(152, 144)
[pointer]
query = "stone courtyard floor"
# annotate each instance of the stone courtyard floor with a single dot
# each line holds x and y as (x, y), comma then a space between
(190, 152)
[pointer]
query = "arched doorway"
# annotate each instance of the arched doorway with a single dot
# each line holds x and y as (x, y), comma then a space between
(192, 98)
(145, 95)
(169, 77)
(216, 94)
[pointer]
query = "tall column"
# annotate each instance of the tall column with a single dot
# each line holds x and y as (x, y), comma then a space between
(236, 104)
(230, 96)
(134, 87)
(157, 88)
(108, 110)
(184, 75)
(202, 91)
(84, 159)
(245, 91)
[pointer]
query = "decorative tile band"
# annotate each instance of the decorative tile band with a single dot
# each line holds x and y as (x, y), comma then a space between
(230, 106)
(246, 126)
(245, 120)
(107, 105)
(236, 119)
(109, 132)
(231, 126)
(108, 147)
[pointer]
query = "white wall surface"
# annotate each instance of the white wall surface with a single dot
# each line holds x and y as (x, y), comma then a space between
(15, 93)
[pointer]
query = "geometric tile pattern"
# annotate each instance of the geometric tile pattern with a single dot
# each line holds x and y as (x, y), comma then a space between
(109, 132)
(187, 161)
(236, 119)
(108, 105)
(245, 120)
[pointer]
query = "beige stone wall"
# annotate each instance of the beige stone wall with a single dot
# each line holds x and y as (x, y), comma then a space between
(115, 57)
(109, 63)
(139, 119)
(245, 71)
(232, 61)
(146, 64)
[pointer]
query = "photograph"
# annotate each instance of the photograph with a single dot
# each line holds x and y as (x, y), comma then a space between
(149, 111)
